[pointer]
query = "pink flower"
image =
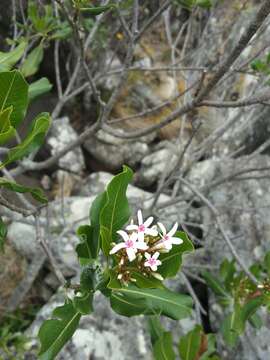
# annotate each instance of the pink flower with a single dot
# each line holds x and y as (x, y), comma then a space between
(142, 227)
(152, 261)
(167, 239)
(130, 244)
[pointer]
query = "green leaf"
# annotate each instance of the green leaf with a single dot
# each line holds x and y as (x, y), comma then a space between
(31, 64)
(163, 348)
(205, 4)
(38, 88)
(156, 330)
(227, 271)
(172, 260)
(115, 212)
(13, 186)
(9, 59)
(32, 141)
(87, 280)
(84, 303)
(229, 335)
(14, 92)
(86, 248)
(151, 302)
(6, 130)
(98, 9)
(3, 234)
(55, 333)
(189, 345)
(256, 321)
(215, 285)
(146, 282)
(211, 348)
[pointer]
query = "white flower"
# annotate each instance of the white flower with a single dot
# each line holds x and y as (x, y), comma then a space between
(142, 227)
(167, 239)
(130, 244)
(152, 261)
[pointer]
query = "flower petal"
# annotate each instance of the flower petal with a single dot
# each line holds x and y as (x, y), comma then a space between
(117, 247)
(140, 236)
(162, 228)
(134, 236)
(151, 232)
(176, 241)
(123, 234)
(173, 230)
(131, 253)
(156, 255)
(141, 245)
(154, 267)
(149, 221)
(140, 218)
(132, 227)
(158, 262)
(167, 245)
(147, 255)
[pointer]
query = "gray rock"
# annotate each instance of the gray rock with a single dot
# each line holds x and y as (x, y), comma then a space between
(155, 164)
(23, 238)
(62, 134)
(112, 152)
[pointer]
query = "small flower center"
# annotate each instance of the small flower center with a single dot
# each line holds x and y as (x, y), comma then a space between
(141, 228)
(129, 244)
(166, 237)
(152, 261)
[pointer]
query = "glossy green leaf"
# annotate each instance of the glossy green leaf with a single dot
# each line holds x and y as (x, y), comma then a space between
(3, 234)
(172, 260)
(55, 333)
(86, 249)
(6, 130)
(229, 335)
(98, 9)
(206, 4)
(95, 213)
(33, 140)
(189, 345)
(151, 302)
(156, 330)
(215, 285)
(115, 212)
(31, 64)
(9, 59)
(163, 348)
(87, 279)
(38, 88)
(84, 303)
(36, 193)
(145, 281)
(14, 92)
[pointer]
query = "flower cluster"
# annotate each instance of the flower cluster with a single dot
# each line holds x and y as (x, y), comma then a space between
(141, 246)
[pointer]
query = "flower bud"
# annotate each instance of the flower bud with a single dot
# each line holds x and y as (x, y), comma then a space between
(157, 276)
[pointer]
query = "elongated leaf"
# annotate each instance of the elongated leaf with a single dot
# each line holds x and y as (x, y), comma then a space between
(172, 261)
(214, 283)
(9, 59)
(189, 345)
(32, 141)
(6, 130)
(3, 234)
(84, 303)
(55, 333)
(14, 92)
(155, 328)
(38, 88)
(13, 186)
(229, 335)
(31, 64)
(86, 248)
(163, 348)
(98, 9)
(116, 211)
(154, 301)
